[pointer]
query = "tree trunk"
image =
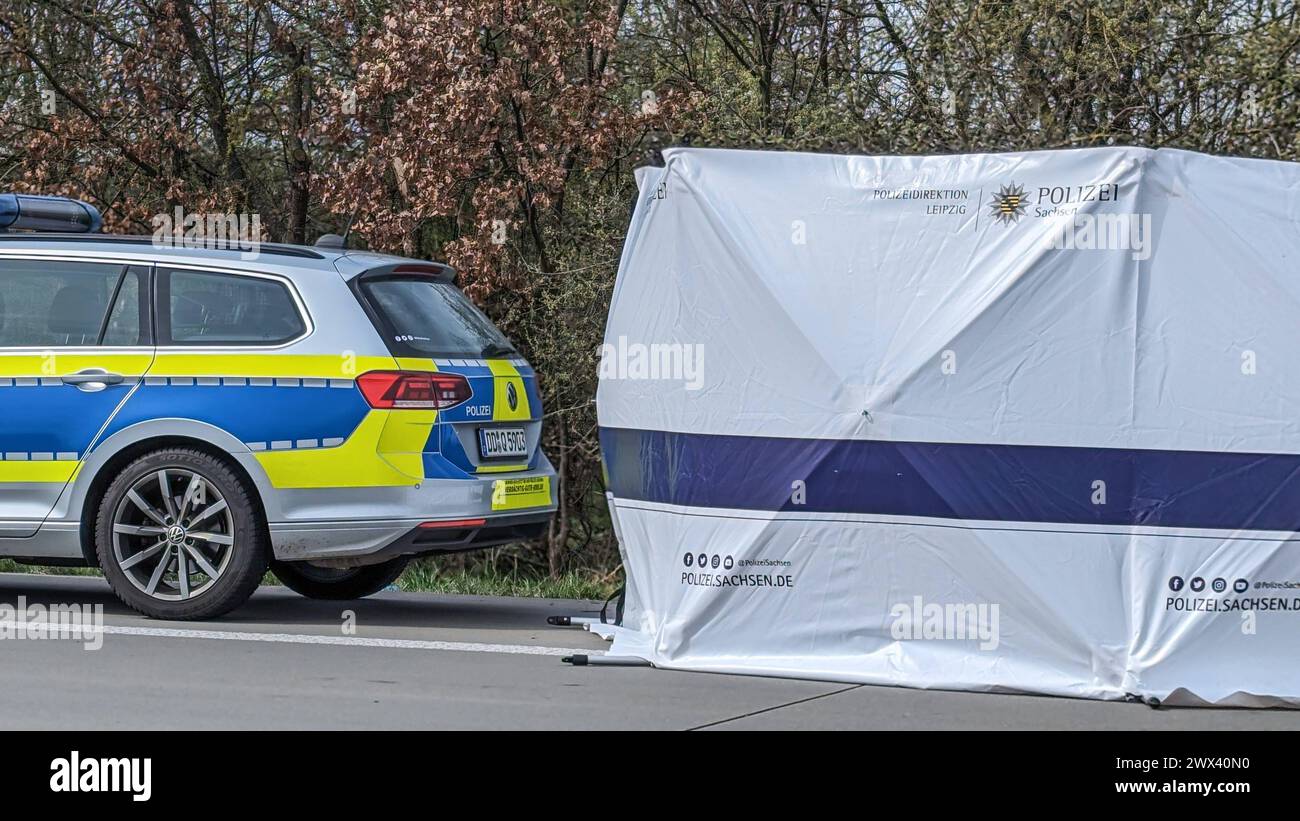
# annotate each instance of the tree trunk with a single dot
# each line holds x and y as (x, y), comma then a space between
(298, 160)
(558, 535)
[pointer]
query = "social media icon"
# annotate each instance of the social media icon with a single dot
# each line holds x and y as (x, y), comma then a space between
(727, 563)
(703, 560)
(1198, 584)
(717, 560)
(1220, 585)
(1241, 585)
(1176, 583)
(689, 559)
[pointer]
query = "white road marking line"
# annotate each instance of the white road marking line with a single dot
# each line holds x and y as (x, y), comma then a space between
(294, 638)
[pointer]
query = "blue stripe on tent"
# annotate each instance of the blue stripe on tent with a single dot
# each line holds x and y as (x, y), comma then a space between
(1013, 483)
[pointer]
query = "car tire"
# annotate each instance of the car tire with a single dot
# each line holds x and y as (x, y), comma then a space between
(316, 582)
(206, 533)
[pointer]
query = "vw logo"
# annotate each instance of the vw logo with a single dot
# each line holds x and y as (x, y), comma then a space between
(175, 534)
(512, 396)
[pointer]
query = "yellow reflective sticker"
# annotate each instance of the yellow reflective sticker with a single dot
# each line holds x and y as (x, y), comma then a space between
(344, 365)
(355, 463)
(500, 468)
(528, 491)
(507, 383)
(408, 429)
(48, 470)
(404, 438)
(56, 363)
(413, 363)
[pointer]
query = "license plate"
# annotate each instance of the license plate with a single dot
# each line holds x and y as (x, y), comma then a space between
(493, 442)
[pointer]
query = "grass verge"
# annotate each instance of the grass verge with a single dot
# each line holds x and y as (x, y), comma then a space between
(424, 576)
(11, 566)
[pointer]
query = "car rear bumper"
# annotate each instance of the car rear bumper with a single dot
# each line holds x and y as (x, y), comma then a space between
(458, 535)
(368, 525)
(378, 541)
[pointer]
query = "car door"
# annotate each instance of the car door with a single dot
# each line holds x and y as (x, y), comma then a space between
(74, 341)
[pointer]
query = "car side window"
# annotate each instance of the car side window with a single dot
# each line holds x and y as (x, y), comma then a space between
(209, 308)
(52, 304)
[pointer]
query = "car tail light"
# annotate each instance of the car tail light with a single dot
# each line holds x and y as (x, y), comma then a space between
(414, 389)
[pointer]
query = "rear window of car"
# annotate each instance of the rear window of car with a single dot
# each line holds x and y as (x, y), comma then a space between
(428, 317)
(210, 308)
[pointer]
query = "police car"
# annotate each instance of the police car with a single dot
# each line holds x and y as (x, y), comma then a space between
(182, 418)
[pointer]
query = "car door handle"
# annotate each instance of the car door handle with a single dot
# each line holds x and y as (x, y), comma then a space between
(92, 379)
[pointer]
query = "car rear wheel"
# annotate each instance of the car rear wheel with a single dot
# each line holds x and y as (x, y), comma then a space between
(317, 582)
(178, 536)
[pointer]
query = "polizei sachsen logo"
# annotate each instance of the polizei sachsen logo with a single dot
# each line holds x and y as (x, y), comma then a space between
(1009, 203)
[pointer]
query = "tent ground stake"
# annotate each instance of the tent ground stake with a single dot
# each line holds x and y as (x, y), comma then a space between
(571, 621)
(605, 661)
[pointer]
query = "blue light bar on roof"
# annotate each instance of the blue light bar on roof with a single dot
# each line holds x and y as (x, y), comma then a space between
(35, 212)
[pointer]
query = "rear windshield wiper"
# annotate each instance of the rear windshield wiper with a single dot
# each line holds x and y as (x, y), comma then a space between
(497, 349)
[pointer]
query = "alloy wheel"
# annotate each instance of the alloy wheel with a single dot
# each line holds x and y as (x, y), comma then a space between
(173, 534)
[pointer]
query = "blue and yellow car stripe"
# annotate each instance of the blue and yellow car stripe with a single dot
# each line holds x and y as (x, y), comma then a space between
(302, 416)
(33, 450)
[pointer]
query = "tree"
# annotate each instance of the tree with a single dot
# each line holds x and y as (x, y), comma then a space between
(468, 127)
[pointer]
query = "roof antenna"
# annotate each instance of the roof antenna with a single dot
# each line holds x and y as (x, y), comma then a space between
(336, 241)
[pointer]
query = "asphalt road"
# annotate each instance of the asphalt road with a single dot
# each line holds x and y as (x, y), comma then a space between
(419, 661)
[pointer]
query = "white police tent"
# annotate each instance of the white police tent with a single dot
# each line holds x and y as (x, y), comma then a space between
(1017, 422)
